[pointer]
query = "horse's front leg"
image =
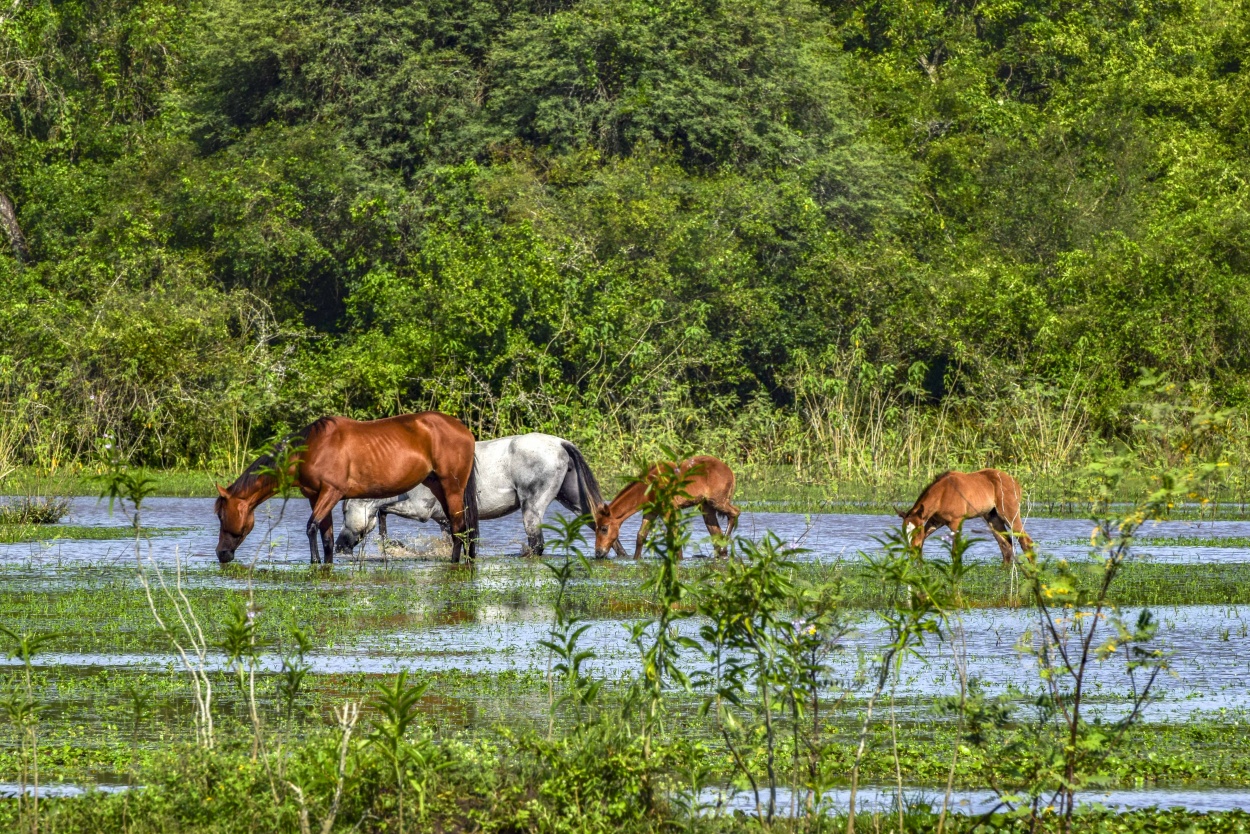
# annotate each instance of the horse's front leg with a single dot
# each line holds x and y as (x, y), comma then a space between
(382, 525)
(321, 524)
(314, 533)
(643, 529)
(712, 523)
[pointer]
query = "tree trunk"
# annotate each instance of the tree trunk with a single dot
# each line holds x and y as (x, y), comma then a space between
(8, 219)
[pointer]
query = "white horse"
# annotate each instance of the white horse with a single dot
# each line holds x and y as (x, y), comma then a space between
(523, 472)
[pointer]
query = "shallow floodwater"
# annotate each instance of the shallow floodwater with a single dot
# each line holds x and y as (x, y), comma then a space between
(1209, 645)
(884, 800)
(868, 799)
(279, 536)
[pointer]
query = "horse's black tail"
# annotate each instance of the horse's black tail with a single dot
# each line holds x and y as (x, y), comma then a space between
(587, 486)
(589, 496)
(470, 511)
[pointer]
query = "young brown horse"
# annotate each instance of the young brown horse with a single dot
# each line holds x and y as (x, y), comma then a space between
(345, 458)
(955, 496)
(707, 481)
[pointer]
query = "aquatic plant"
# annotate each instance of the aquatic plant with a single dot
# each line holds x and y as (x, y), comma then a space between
(580, 690)
(418, 759)
(768, 639)
(656, 640)
(22, 708)
(33, 510)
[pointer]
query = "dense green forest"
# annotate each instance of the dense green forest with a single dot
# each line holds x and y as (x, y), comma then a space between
(848, 236)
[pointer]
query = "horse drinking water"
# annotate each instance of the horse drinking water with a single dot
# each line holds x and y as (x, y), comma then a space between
(954, 497)
(708, 483)
(523, 472)
(337, 457)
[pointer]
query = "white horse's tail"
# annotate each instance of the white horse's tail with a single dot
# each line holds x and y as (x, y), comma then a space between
(589, 496)
(587, 486)
(471, 514)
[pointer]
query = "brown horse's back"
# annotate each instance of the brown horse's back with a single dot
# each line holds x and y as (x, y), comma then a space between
(953, 497)
(712, 479)
(965, 494)
(381, 458)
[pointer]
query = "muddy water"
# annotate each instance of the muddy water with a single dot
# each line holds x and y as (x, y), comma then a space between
(279, 537)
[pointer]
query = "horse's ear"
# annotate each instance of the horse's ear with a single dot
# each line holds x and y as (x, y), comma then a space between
(222, 491)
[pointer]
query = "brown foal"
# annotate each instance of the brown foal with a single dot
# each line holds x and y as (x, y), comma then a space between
(954, 497)
(707, 482)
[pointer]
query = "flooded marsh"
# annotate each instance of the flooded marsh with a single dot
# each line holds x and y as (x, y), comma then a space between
(115, 691)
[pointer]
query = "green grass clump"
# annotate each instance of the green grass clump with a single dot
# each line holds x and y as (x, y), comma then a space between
(33, 510)
(21, 533)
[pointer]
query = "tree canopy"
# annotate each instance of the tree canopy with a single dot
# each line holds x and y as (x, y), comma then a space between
(565, 214)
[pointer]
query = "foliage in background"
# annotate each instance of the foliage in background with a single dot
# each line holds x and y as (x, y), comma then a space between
(863, 239)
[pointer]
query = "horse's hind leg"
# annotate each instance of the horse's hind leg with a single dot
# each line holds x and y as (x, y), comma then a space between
(453, 509)
(714, 530)
(1017, 532)
(534, 509)
(532, 518)
(1009, 511)
(999, 528)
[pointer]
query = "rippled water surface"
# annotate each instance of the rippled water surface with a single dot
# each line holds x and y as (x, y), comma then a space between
(1209, 645)
(885, 799)
(279, 536)
(1210, 648)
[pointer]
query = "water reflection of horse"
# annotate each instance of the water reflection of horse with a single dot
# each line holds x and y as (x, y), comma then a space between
(707, 483)
(953, 497)
(337, 457)
(523, 472)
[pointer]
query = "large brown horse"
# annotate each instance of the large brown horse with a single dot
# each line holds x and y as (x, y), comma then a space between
(955, 496)
(337, 457)
(707, 482)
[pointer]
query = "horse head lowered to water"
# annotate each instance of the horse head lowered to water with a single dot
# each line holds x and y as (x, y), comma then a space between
(338, 457)
(706, 482)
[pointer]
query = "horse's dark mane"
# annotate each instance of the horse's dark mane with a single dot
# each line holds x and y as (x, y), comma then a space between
(943, 474)
(928, 487)
(262, 467)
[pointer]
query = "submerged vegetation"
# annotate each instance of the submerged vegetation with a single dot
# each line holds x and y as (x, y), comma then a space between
(32, 510)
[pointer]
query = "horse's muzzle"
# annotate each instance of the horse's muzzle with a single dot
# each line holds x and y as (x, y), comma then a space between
(346, 542)
(225, 556)
(601, 554)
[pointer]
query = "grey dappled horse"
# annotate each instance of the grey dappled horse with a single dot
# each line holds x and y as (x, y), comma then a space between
(523, 472)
